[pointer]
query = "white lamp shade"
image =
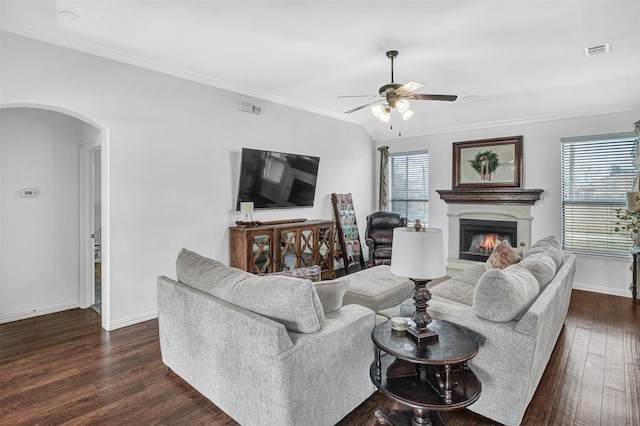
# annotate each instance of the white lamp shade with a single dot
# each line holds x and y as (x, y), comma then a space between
(385, 117)
(407, 115)
(418, 254)
(402, 105)
(376, 110)
(246, 207)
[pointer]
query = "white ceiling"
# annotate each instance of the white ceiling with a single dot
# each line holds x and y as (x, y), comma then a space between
(511, 61)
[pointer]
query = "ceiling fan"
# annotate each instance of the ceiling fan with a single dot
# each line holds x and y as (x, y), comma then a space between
(396, 95)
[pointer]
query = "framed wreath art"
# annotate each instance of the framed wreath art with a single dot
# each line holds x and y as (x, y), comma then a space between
(488, 163)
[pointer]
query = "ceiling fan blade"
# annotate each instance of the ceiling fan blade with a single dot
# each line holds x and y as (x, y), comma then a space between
(409, 87)
(358, 96)
(425, 97)
(361, 106)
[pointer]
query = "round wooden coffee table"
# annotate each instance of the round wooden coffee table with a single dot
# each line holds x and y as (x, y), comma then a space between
(429, 377)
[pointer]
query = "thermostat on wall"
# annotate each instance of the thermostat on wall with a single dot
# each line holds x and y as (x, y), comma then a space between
(29, 193)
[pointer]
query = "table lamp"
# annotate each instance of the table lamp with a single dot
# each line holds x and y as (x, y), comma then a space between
(246, 208)
(418, 254)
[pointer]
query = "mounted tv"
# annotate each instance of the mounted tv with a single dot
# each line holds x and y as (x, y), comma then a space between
(276, 180)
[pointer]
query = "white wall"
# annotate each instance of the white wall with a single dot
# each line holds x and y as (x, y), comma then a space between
(170, 164)
(541, 170)
(39, 267)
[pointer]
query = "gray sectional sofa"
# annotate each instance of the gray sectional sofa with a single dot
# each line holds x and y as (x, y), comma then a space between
(268, 350)
(276, 350)
(517, 327)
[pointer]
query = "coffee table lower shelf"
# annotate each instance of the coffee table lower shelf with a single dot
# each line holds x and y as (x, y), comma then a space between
(422, 391)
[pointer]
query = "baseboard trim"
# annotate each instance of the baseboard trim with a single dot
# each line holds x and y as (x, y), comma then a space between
(602, 290)
(45, 310)
(125, 322)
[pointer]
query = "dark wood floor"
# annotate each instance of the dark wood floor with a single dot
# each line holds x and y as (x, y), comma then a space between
(63, 369)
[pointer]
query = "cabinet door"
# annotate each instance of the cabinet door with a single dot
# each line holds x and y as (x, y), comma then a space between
(287, 243)
(260, 244)
(325, 247)
(306, 247)
(296, 248)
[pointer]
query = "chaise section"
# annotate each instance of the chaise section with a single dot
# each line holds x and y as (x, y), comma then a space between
(377, 288)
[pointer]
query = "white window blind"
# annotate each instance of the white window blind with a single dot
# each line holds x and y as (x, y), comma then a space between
(409, 185)
(597, 171)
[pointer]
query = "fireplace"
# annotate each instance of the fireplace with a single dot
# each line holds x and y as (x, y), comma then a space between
(478, 237)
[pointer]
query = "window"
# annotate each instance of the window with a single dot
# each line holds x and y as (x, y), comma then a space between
(597, 171)
(409, 185)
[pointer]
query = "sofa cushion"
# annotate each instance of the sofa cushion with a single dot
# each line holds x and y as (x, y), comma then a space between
(542, 266)
(502, 256)
(460, 288)
(290, 301)
(471, 274)
(551, 245)
(455, 290)
(331, 293)
(501, 295)
(377, 288)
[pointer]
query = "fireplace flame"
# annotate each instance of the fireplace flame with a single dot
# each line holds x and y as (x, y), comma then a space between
(488, 242)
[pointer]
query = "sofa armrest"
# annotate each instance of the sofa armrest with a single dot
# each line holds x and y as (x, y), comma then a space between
(337, 357)
(372, 247)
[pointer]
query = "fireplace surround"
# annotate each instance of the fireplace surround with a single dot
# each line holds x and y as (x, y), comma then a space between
(518, 215)
(499, 204)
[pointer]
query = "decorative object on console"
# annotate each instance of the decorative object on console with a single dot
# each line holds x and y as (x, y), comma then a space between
(348, 235)
(488, 163)
(419, 256)
(246, 209)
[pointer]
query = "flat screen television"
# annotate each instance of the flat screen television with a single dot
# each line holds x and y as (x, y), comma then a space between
(275, 180)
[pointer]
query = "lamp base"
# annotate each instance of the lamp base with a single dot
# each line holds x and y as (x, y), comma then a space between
(422, 335)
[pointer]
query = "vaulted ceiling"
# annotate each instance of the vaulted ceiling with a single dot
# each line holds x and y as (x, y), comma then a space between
(512, 61)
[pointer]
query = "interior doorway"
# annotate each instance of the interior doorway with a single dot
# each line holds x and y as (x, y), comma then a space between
(91, 225)
(97, 230)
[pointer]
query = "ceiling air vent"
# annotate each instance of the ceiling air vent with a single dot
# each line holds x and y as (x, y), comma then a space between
(597, 50)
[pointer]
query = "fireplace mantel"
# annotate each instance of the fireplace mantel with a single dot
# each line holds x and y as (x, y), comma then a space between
(490, 196)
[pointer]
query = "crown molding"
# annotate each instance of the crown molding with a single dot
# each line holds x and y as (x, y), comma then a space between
(104, 52)
(519, 121)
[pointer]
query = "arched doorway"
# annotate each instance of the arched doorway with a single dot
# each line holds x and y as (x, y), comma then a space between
(47, 250)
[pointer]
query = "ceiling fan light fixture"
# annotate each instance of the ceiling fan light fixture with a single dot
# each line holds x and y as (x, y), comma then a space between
(407, 115)
(402, 105)
(385, 117)
(376, 110)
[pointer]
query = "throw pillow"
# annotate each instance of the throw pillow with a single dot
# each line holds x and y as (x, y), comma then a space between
(312, 273)
(331, 293)
(501, 295)
(502, 256)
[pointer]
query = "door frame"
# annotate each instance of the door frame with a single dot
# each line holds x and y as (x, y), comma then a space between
(87, 222)
(87, 266)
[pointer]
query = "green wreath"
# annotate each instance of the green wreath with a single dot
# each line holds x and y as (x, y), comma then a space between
(491, 156)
